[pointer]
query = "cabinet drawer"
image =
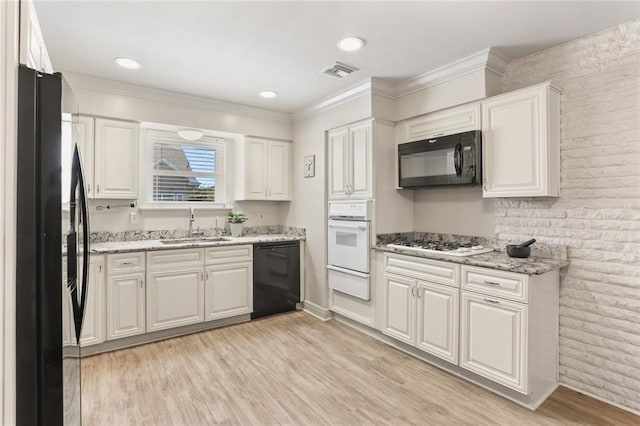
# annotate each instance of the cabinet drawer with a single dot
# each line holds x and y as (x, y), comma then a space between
(423, 269)
(503, 284)
(228, 254)
(170, 259)
(125, 263)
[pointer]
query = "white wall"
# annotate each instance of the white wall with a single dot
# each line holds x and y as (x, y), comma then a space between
(598, 212)
(309, 201)
(460, 210)
(458, 91)
(113, 99)
(8, 161)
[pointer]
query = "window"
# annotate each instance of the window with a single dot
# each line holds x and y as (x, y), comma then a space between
(180, 171)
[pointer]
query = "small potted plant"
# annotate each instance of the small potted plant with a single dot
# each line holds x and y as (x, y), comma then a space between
(236, 219)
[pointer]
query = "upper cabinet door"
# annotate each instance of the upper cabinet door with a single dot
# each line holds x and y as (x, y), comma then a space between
(441, 123)
(361, 161)
(83, 135)
(256, 168)
(279, 164)
(520, 143)
(116, 159)
(338, 163)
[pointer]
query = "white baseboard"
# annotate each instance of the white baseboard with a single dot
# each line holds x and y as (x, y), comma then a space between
(317, 311)
(599, 398)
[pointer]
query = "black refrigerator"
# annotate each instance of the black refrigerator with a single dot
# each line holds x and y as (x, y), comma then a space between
(48, 383)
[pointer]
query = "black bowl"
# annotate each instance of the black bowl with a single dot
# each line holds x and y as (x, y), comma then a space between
(514, 250)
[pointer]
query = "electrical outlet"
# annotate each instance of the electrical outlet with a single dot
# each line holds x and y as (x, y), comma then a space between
(260, 216)
(133, 218)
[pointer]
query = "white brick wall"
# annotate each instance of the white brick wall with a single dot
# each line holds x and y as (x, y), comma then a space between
(598, 213)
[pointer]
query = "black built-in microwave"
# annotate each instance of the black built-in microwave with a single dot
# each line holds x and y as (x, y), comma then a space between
(446, 160)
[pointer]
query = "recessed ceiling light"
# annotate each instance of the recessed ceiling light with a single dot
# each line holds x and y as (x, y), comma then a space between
(268, 94)
(190, 134)
(350, 44)
(128, 63)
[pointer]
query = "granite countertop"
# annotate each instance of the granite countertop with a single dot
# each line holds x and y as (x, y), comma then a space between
(493, 260)
(150, 245)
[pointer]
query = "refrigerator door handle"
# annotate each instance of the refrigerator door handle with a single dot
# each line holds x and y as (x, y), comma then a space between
(77, 182)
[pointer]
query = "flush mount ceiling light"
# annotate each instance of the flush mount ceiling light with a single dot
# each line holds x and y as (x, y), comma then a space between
(190, 134)
(350, 44)
(128, 63)
(268, 94)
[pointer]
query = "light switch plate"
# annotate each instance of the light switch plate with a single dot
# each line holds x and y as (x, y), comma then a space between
(309, 166)
(133, 218)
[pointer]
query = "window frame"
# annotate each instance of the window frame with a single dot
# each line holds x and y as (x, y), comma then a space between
(146, 202)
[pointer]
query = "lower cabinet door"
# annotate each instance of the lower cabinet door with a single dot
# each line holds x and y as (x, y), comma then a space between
(228, 290)
(494, 340)
(125, 305)
(399, 308)
(175, 298)
(93, 323)
(437, 331)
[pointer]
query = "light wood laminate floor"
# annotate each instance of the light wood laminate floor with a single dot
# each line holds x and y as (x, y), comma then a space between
(294, 369)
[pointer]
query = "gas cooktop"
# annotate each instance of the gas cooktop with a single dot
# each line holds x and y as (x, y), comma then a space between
(450, 249)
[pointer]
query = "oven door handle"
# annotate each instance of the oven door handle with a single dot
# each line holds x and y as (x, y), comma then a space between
(335, 225)
(347, 271)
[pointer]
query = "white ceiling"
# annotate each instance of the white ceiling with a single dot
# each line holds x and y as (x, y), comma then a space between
(233, 50)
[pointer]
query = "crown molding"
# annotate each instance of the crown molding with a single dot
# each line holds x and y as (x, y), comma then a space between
(361, 89)
(88, 82)
(488, 59)
(484, 59)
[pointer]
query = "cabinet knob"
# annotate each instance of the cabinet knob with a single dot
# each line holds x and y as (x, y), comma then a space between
(98, 188)
(141, 283)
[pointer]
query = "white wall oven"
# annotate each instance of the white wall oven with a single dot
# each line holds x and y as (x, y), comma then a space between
(349, 243)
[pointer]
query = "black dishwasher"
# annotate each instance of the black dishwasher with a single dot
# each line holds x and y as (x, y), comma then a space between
(276, 277)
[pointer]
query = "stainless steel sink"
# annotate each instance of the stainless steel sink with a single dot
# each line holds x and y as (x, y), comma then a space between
(194, 240)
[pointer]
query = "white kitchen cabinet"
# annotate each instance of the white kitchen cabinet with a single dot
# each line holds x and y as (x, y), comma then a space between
(361, 160)
(116, 159)
(338, 142)
(83, 135)
(350, 152)
(125, 305)
(33, 51)
(399, 308)
(228, 290)
(93, 324)
(494, 339)
(174, 298)
(279, 170)
(521, 143)
(438, 317)
(419, 311)
(126, 284)
(263, 169)
(449, 121)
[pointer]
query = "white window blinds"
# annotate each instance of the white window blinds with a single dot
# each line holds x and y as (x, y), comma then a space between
(185, 172)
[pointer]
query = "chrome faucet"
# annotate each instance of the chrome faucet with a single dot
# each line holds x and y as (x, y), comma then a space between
(192, 218)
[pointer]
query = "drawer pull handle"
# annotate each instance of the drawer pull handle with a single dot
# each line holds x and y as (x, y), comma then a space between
(492, 301)
(492, 283)
(127, 263)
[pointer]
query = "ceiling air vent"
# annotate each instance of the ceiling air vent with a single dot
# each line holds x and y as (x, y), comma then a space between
(338, 70)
